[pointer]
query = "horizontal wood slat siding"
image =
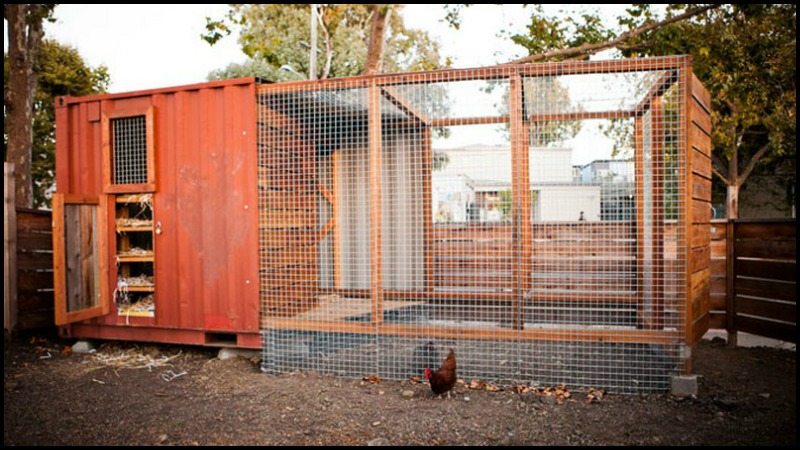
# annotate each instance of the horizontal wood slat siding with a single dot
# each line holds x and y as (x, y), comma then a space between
(700, 304)
(765, 279)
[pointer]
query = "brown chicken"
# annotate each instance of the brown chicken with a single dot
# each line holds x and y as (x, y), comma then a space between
(443, 379)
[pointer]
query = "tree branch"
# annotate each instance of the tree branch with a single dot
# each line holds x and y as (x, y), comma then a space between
(752, 163)
(719, 174)
(719, 167)
(326, 70)
(590, 49)
(380, 13)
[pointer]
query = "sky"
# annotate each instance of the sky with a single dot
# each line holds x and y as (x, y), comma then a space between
(146, 46)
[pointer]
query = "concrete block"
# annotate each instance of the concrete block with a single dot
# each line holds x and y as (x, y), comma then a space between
(684, 385)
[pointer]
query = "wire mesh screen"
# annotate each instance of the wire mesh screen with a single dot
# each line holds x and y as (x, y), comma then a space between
(524, 216)
(129, 150)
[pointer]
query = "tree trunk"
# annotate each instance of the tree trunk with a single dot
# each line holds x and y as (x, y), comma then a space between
(732, 206)
(375, 47)
(24, 39)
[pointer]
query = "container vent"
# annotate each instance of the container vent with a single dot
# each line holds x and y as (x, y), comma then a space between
(129, 149)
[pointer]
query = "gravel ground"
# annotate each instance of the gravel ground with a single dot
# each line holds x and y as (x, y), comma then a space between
(54, 397)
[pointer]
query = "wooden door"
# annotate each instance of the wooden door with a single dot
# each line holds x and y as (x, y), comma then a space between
(80, 257)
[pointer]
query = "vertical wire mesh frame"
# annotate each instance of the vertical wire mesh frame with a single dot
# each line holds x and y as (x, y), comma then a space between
(129, 150)
(479, 210)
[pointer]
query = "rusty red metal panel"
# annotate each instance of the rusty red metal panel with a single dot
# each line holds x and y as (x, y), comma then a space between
(245, 81)
(206, 200)
(167, 294)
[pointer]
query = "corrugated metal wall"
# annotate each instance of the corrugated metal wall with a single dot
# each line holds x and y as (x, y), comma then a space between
(206, 267)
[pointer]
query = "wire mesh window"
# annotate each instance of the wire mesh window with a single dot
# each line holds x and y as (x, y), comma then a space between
(526, 216)
(129, 150)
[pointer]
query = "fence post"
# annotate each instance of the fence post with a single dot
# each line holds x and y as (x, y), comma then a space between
(730, 274)
(9, 249)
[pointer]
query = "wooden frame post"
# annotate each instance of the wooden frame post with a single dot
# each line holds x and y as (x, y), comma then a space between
(336, 211)
(521, 199)
(638, 165)
(730, 288)
(685, 81)
(427, 207)
(375, 237)
(658, 171)
(9, 249)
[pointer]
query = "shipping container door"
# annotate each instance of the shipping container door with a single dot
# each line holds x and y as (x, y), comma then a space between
(80, 257)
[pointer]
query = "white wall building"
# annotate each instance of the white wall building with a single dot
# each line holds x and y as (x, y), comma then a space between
(555, 195)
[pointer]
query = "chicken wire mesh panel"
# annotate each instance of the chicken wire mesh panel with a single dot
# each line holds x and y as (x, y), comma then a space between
(129, 151)
(526, 219)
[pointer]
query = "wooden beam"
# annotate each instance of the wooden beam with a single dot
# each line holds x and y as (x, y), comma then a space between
(582, 115)
(375, 237)
(326, 193)
(488, 297)
(9, 249)
(639, 198)
(458, 121)
(427, 207)
(658, 173)
(336, 211)
(730, 288)
(521, 199)
(59, 269)
(685, 228)
(664, 82)
(106, 206)
(482, 333)
(498, 72)
(391, 94)
(327, 228)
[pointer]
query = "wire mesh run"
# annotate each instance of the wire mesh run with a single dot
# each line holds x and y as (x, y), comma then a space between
(525, 216)
(129, 150)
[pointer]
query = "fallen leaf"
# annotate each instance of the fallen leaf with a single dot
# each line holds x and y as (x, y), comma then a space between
(477, 384)
(492, 387)
(594, 395)
(373, 379)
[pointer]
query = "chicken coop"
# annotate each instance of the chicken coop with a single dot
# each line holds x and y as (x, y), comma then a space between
(549, 222)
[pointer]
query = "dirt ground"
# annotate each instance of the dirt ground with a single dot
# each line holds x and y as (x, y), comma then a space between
(52, 397)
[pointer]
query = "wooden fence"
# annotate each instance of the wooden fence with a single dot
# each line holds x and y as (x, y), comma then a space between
(762, 256)
(719, 267)
(577, 260)
(590, 259)
(28, 263)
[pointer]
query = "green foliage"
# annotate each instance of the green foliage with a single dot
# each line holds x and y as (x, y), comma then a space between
(746, 56)
(278, 35)
(568, 29)
(61, 71)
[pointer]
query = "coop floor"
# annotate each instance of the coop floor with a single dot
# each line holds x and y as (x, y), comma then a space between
(500, 354)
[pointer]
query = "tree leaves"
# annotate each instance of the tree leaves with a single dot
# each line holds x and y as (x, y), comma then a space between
(278, 35)
(61, 71)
